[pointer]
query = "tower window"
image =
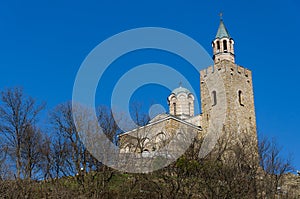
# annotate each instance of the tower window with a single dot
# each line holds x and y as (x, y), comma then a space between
(214, 97)
(190, 108)
(225, 45)
(174, 106)
(218, 45)
(240, 96)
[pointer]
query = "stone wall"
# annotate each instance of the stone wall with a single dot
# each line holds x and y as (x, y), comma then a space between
(234, 92)
(290, 186)
(157, 135)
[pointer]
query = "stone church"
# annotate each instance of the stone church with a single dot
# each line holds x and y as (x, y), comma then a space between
(226, 89)
(225, 86)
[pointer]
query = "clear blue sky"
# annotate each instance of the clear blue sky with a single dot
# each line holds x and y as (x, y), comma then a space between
(43, 43)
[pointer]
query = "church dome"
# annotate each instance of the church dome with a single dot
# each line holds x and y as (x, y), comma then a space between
(181, 103)
(180, 89)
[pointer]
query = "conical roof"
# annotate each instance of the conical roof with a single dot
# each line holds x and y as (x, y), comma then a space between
(222, 31)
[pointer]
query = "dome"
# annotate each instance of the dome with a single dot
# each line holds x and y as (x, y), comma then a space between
(180, 89)
(181, 103)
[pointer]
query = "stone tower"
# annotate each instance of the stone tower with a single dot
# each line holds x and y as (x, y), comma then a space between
(227, 87)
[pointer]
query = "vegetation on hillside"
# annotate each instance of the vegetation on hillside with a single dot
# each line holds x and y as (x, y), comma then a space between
(53, 163)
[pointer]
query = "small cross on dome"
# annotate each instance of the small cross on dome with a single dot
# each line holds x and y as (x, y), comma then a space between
(180, 84)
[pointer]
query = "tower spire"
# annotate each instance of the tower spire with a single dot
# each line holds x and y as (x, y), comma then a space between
(223, 43)
(222, 30)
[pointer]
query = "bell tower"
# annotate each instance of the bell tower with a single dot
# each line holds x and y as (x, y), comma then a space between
(227, 87)
(223, 44)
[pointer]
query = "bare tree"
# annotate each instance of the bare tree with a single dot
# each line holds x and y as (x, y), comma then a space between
(17, 113)
(274, 166)
(4, 170)
(62, 121)
(107, 121)
(31, 155)
(46, 162)
(60, 154)
(140, 118)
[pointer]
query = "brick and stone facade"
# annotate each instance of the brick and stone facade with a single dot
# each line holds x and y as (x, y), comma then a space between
(226, 88)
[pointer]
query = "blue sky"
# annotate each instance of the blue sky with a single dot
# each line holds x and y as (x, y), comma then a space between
(43, 43)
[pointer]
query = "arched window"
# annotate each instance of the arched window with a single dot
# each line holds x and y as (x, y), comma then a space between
(218, 45)
(225, 45)
(190, 104)
(174, 107)
(240, 96)
(161, 137)
(214, 98)
(127, 149)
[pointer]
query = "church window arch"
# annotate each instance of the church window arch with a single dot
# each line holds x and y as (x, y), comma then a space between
(127, 148)
(145, 153)
(214, 98)
(218, 45)
(240, 96)
(160, 139)
(225, 45)
(174, 108)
